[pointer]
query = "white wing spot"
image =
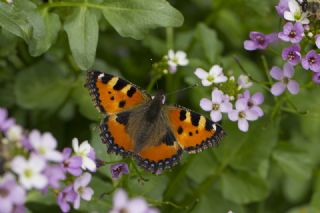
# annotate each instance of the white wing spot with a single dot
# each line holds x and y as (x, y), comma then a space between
(100, 76)
(214, 127)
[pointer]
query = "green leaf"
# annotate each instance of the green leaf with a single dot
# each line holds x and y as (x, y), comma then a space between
(210, 43)
(243, 187)
(45, 27)
(132, 18)
(213, 201)
(42, 86)
(13, 22)
(293, 160)
(258, 145)
(82, 30)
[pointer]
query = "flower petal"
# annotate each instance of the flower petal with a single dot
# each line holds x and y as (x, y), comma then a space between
(216, 116)
(249, 45)
(278, 88)
(120, 199)
(276, 73)
(18, 164)
(75, 144)
(206, 104)
(39, 181)
(206, 83)
(293, 87)
(200, 73)
(87, 194)
(233, 115)
(243, 125)
(251, 115)
(288, 70)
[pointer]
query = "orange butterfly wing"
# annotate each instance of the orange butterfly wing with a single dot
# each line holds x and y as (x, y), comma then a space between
(112, 94)
(193, 131)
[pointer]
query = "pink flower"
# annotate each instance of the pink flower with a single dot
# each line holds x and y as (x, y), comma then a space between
(218, 104)
(121, 203)
(284, 80)
(243, 114)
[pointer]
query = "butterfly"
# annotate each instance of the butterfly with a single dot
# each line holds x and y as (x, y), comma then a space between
(138, 125)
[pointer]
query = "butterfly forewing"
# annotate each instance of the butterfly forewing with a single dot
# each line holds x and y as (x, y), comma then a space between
(112, 94)
(193, 131)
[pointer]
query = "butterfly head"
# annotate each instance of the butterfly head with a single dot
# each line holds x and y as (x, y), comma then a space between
(159, 98)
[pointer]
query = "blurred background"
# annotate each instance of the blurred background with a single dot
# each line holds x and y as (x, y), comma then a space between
(272, 168)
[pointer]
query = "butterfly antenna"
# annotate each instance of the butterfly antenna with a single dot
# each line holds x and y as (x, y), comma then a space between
(181, 90)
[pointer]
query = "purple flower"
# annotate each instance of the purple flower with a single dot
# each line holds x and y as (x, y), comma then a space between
(11, 194)
(80, 187)
(284, 80)
(311, 61)
(281, 7)
(259, 41)
(54, 175)
(292, 32)
(119, 169)
(243, 114)
(71, 164)
(292, 54)
(254, 101)
(5, 122)
(316, 77)
(121, 203)
(66, 196)
(219, 103)
(86, 152)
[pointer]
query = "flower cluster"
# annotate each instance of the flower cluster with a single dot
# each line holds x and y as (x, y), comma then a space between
(121, 203)
(230, 97)
(302, 38)
(31, 161)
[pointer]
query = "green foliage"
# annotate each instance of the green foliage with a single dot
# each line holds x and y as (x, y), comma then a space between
(45, 48)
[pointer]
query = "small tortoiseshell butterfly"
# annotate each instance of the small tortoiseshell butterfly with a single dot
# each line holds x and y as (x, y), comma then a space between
(137, 125)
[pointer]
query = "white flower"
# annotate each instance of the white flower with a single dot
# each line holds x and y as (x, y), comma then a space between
(177, 59)
(80, 187)
(29, 171)
(215, 75)
(45, 145)
(83, 151)
(14, 133)
(295, 13)
(244, 81)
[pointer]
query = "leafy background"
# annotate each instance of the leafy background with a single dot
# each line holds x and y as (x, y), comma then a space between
(47, 46)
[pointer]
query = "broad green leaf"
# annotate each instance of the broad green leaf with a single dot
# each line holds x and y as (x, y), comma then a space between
(45, 27)
(213, 201)
(243, 187)
(258, 145)
(82, 30)
(13, 22)
(293, 160)
(132, 18)
(83, 99)
(203, 165)
(210, 43)
(246, 151)
(42, 86)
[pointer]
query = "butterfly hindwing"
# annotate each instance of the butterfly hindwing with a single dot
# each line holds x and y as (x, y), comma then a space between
(193, 131)
(112, 94)
(114, 134)
(160, 157)
(152, 157)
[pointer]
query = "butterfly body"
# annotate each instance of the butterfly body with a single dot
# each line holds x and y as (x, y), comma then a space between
(137, 125)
